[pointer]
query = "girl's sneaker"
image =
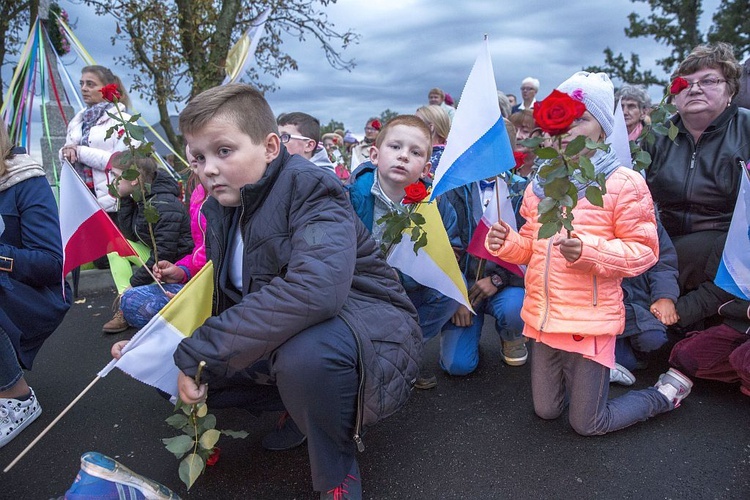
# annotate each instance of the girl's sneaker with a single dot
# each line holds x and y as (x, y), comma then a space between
(102, 478)
(15, 415)
(674, 386)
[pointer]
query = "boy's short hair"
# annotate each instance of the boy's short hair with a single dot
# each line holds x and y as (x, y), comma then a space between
(308, 125)
(408, 121)
(241, 104)
(146, 166)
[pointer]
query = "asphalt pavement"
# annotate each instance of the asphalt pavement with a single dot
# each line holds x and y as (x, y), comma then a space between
(470, 437)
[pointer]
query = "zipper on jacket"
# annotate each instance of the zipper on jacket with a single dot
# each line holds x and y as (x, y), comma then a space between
(360, 391)
(596, 291)
(546, 286)
(692, 159)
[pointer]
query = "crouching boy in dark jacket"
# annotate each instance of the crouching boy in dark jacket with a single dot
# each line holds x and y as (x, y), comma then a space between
(308, 317)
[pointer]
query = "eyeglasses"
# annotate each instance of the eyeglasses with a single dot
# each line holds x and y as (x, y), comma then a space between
(287, 137)
(704, 84)
(371, 129)
(527, 89)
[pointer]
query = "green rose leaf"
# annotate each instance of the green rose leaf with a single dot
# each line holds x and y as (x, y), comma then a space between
(546, 205)
(594, 195)
(207, 422)
(134, 118)
(179, 445)
(191, 467)
(575, 146)
(557, 188)
(200, 410)
(660, 129)
(130, 174)
(177, 421)
(546, 153)
(209, 439)
(420, 243)
(134, 131)
(235, 434)
(549, 229)
(673, 131)
(532, 142)
(587, 167)
(151, 214)
(113, 191)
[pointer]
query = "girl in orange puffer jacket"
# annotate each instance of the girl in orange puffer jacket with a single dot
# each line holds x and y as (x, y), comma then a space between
(573, 307)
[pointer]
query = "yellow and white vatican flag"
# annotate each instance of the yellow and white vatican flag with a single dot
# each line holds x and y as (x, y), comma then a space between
(241, 54)
(148, 355)
(434, 265)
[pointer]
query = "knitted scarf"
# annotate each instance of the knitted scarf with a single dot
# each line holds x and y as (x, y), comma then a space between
(90, 118)
(604, 163)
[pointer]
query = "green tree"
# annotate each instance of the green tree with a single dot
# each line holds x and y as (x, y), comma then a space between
(331, 126)
(388, 115)
(675, 23)
(179, 48)
(14, 22)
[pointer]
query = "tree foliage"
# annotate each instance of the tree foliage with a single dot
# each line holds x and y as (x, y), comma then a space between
(14, 22)
(331, 127)
(675, 23)
(179, 48)
(388, 115)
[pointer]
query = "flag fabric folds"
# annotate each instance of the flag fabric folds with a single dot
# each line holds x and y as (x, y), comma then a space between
(619, 141)
(87, 231)
(476, 245)
(435, 265)
(148, 355)
(478, 146)
(733, 274)
(241, 54)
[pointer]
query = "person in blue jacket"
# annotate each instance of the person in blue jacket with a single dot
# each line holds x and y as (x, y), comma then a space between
(33, 298)
(401, 157)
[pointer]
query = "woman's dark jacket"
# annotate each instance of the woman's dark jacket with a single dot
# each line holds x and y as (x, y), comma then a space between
(694, 184)
(32, 304)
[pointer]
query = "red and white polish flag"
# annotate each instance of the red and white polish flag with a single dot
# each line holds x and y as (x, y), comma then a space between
(87, 231)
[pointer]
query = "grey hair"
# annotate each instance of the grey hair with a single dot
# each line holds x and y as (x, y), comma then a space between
(635, 93)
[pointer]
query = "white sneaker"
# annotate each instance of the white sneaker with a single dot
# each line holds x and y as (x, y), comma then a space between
(621, 375)
(674, 386)
(15, 415)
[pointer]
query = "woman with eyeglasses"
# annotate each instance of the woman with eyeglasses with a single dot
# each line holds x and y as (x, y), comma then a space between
(695, 179)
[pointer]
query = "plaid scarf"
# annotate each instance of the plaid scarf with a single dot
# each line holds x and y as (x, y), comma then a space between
(90, 117)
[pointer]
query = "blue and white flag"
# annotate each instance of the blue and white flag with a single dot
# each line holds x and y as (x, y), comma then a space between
(734, 270)
(478, 146)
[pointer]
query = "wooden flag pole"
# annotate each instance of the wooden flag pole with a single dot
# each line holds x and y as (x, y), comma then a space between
(52, 424)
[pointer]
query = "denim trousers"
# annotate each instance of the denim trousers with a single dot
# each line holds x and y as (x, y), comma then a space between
(314, 376)
(627, 347)
(10, 369)
(434, 309)
(141, 303)
(560, 378)
(459, 346)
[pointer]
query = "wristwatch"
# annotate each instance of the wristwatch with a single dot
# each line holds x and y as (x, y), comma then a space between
(496, 280)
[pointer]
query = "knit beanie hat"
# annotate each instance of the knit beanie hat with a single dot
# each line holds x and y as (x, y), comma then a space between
(596, 91)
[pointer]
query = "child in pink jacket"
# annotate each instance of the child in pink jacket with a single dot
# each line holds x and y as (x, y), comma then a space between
(573, 307)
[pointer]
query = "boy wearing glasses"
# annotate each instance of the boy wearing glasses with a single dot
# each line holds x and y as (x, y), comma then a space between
(300, 134)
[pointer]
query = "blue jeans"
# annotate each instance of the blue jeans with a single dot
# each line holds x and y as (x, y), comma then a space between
(626, 347)
(10, 369)
(314, 376)
(561, 378)
(459, 346)
(141, 303)
(434, 309)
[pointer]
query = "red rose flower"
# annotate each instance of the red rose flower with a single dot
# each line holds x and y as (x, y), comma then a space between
(414, 193)
(376, 124)
(678, 85)
(214, 456)
(520, 158)
(120, 133)
(110, 92)
(556, 113)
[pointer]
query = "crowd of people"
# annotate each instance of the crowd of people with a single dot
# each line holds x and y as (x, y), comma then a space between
(309, 318)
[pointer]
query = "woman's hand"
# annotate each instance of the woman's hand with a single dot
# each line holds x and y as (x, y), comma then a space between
(70, 153)
(190, 392)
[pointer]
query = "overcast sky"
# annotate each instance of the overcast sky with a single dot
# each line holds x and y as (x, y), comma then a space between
(409, 46)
